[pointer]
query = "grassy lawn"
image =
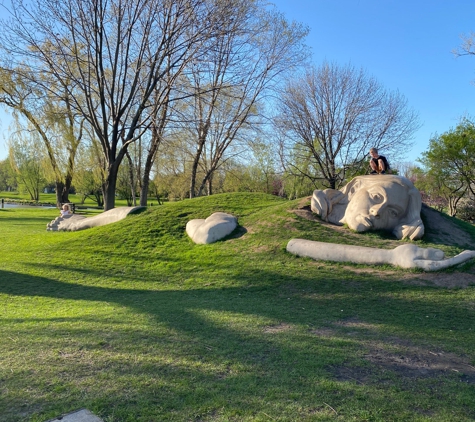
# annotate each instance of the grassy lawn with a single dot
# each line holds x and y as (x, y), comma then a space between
(137, 323)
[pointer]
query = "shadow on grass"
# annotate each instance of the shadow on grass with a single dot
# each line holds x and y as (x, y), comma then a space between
(240, 351)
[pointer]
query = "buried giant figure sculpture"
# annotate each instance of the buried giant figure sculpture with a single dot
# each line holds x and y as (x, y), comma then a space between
(74, 222)
(373, 202)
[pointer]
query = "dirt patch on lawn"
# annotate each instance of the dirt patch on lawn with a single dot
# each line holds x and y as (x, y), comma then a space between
(417, 362)
(391, 356)
(453, 280)
(273, 329)
(409, 362)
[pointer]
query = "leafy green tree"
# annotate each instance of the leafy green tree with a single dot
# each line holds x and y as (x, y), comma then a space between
(450, 163)
(433, 192)
(27, 163)
(52, 118)
(89, 174)
(301, 174)
(172, 170)
(7, 178)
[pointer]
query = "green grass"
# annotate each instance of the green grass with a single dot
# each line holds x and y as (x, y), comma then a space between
(137, 323)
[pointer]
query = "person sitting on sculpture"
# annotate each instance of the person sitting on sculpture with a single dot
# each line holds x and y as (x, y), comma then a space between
(390, 203)
(378, 163)
(65, 210)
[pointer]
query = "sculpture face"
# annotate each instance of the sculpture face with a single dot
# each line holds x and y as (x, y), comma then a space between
(377, 206)
(373, 202)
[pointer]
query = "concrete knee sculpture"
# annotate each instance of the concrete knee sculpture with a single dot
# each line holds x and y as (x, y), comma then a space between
(74, 222)
(211, 229)
(373, 202)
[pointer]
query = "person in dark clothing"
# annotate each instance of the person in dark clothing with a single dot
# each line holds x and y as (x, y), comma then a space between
(379, 164)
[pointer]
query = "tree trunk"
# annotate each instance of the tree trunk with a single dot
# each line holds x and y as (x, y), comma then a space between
(146, 180)
(109, 187)
(144, 192)
(59, 188)
(196, 160)
(194, 172)
(131, 179)
(210, 186)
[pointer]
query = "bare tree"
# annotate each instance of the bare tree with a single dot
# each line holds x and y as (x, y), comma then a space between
(159, 121)
(112, 55)
(337, 113)
(232, 75)
(467, 48)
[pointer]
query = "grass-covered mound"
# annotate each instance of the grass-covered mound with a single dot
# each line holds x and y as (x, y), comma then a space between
(137, 323)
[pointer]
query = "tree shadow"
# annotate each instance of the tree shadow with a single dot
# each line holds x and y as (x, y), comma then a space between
(230, 346)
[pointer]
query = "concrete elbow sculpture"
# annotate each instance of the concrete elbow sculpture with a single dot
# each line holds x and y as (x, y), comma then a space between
(74, 222)
(215, 227)
(373, 202)
(405, 256)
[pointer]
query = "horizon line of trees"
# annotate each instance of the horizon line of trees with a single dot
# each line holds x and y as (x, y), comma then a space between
(445, 175)
(183, 98)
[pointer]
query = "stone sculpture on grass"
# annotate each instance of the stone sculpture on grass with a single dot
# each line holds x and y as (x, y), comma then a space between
(404, 256)
(373, 202)
(211, 229)
(74, 222)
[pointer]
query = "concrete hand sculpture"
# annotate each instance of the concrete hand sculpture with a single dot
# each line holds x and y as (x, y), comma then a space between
(405, 256)
(74, 222)
(373, 202)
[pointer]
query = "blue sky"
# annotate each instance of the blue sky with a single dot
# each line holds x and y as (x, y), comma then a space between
(406, 44)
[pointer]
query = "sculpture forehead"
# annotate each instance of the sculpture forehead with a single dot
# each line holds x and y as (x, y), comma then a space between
(391, 191)
(383, 180)
(396, 184)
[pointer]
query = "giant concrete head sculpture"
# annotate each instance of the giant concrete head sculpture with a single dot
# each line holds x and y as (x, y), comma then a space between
(373, 202)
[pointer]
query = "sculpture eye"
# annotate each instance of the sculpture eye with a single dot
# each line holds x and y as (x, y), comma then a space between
(377, 198)
(393, 213)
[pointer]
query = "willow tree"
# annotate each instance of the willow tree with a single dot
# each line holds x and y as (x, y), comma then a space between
(27, 162)
(58, 127)
(110, 55)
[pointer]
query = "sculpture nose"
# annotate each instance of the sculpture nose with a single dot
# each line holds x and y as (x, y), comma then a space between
(377, 209)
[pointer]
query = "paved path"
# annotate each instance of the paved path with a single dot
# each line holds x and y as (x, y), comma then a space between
(82, 415)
